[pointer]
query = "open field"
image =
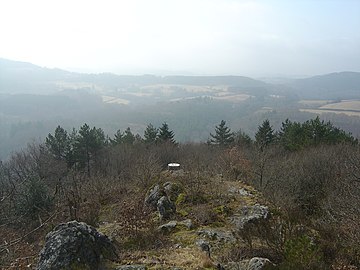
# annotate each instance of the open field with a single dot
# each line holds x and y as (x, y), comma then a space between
(314, 102)
(322, 111)
(349, 105)
(116, 100)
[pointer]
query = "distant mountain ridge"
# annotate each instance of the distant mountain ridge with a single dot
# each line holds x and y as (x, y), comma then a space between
(23, 77)
(339, 85)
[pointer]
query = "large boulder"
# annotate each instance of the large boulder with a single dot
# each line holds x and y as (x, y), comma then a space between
(165, 208)
(153, 196)
(172, 190)
(258, 263)
(159, 198)
(75, 245)
(250, 215)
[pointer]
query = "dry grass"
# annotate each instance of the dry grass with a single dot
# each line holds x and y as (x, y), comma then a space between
(314, 102)
(353, 105)
(317, 111)
(114, 100)
(348, 107)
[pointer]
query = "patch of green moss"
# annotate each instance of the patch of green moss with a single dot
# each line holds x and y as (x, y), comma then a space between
(222, 210)
(185, 238)
(181, 199)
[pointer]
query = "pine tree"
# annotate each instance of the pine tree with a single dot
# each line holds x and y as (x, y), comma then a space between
(59, 144)
(118, 138)
(265, 135)
(88, 143)
(223, 135)
(150, 134)
(128, 137)
(165, 135)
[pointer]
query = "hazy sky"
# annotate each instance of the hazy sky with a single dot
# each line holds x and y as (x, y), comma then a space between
(253, 38)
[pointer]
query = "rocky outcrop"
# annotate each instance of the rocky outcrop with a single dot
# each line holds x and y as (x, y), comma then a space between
(75, 245)
(204, 246)
(250, 215)
(257, 263)
(165, 207)
(153, 196)
(159, 198)
(219, 235)
(171, 225)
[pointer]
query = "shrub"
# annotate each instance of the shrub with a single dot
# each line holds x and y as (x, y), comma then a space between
(302, 253)
(34, 200)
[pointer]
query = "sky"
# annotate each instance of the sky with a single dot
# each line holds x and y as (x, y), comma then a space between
(200, 37)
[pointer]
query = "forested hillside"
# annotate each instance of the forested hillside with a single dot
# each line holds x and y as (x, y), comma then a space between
(34, 100)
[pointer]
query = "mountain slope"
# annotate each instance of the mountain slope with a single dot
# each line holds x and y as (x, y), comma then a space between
(343, 85)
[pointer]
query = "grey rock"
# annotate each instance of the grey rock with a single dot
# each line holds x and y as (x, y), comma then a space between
(218, 235)
(172, 190)
(250, 214)
(204, 246)
(131, 267)
(187, 223)
(75, 244)
(241, 191)
(154, 196)
(168, 227)
(165, 208)
(171, 225)
(258, 263)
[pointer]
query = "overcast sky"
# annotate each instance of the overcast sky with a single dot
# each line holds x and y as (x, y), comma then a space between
(252, 38)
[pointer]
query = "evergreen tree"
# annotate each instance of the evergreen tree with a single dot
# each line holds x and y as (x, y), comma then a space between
(118, 138)
(265, 135)
(88, 143)
(150, 134)
(241, 138)
(223, 135)
(294, 136)
(128, 137)
(165, 135)
(59, 144)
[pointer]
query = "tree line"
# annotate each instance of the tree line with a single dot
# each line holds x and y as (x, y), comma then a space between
(80, 148)
(292, 135)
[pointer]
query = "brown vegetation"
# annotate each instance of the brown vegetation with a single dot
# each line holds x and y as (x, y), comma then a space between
(313, 195)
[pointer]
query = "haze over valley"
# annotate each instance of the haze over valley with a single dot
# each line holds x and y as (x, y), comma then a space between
(34, 100)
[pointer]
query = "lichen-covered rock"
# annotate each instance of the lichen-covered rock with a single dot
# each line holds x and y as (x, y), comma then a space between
(258, 263)
(75, 245)
(168, 227)
(250, 214)
(217, 234)
(173, 224)
(172, 190)
(154, 196)
(186, 223)
(204, 246)
(165, 208)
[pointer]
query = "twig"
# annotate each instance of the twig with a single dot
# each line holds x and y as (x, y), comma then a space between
(15, 241)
